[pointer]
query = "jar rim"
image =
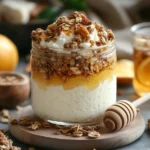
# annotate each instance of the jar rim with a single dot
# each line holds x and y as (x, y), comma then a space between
(110, 47)
(137, 29)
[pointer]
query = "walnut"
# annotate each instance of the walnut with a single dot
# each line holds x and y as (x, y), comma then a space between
(85, 20)
(35, 125)
(83, 31)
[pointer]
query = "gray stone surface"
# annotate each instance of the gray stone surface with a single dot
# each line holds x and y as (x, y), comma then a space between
(143, 143)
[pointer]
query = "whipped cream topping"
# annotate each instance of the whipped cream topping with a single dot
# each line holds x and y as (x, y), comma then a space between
(73, 33)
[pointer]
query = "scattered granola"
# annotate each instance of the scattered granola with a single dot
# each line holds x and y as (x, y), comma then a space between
(14, 122)
(25, 121)
(91, 131)
(35, 125)
(94, 134)
(6, 144)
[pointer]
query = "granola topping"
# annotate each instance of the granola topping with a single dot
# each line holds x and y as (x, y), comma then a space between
(72, 47)
(72, 32)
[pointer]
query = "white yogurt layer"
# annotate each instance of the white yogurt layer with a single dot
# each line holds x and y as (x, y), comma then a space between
(76, 105)
(63, 38)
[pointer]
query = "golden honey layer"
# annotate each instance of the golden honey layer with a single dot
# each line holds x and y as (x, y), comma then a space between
(90, 83)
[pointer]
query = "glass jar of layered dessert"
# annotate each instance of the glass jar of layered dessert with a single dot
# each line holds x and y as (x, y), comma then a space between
(73, 70)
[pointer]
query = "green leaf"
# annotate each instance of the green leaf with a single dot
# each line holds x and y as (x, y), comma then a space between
(75, 4)
(49, 13)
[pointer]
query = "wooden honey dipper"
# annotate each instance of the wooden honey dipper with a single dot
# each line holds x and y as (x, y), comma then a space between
(122, 113)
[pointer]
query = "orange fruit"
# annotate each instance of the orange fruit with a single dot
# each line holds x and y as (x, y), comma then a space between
(124, 71)
(143, 72)
(8, 54)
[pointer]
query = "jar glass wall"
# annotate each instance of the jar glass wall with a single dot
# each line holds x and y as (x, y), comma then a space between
(74, 86)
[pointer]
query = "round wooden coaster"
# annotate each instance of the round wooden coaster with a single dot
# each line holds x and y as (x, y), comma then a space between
(46, 138)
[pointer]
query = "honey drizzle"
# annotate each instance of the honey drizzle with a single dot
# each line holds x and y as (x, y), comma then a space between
(90, 83)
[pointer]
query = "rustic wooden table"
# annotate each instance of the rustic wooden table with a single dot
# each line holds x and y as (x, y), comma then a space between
(143, 143)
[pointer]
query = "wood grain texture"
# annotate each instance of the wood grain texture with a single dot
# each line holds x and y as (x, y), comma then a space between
(46, 138)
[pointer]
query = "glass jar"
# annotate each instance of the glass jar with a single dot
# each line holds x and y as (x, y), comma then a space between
(141, 47)
(74, 86)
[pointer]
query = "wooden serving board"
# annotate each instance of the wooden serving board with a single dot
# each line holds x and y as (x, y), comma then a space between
(46, 138)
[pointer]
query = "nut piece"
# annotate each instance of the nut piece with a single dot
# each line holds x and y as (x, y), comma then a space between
(94, 134)
(77, 134)
(83, 31)
(14, 122)
(35, 125)
(46, 124)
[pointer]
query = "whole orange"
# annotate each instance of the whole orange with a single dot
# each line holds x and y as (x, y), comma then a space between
(8, 54)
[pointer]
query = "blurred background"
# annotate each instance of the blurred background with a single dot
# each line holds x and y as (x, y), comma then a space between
(19, 17)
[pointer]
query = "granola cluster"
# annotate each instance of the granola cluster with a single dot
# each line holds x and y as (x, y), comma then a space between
(72, 62)
(66, 66)
(77, 25)
(6, 144)
(92, 131)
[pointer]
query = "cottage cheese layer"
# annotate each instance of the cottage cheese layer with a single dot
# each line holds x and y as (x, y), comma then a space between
(76, 105)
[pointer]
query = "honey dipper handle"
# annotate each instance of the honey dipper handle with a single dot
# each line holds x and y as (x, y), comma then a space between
(141, 100)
